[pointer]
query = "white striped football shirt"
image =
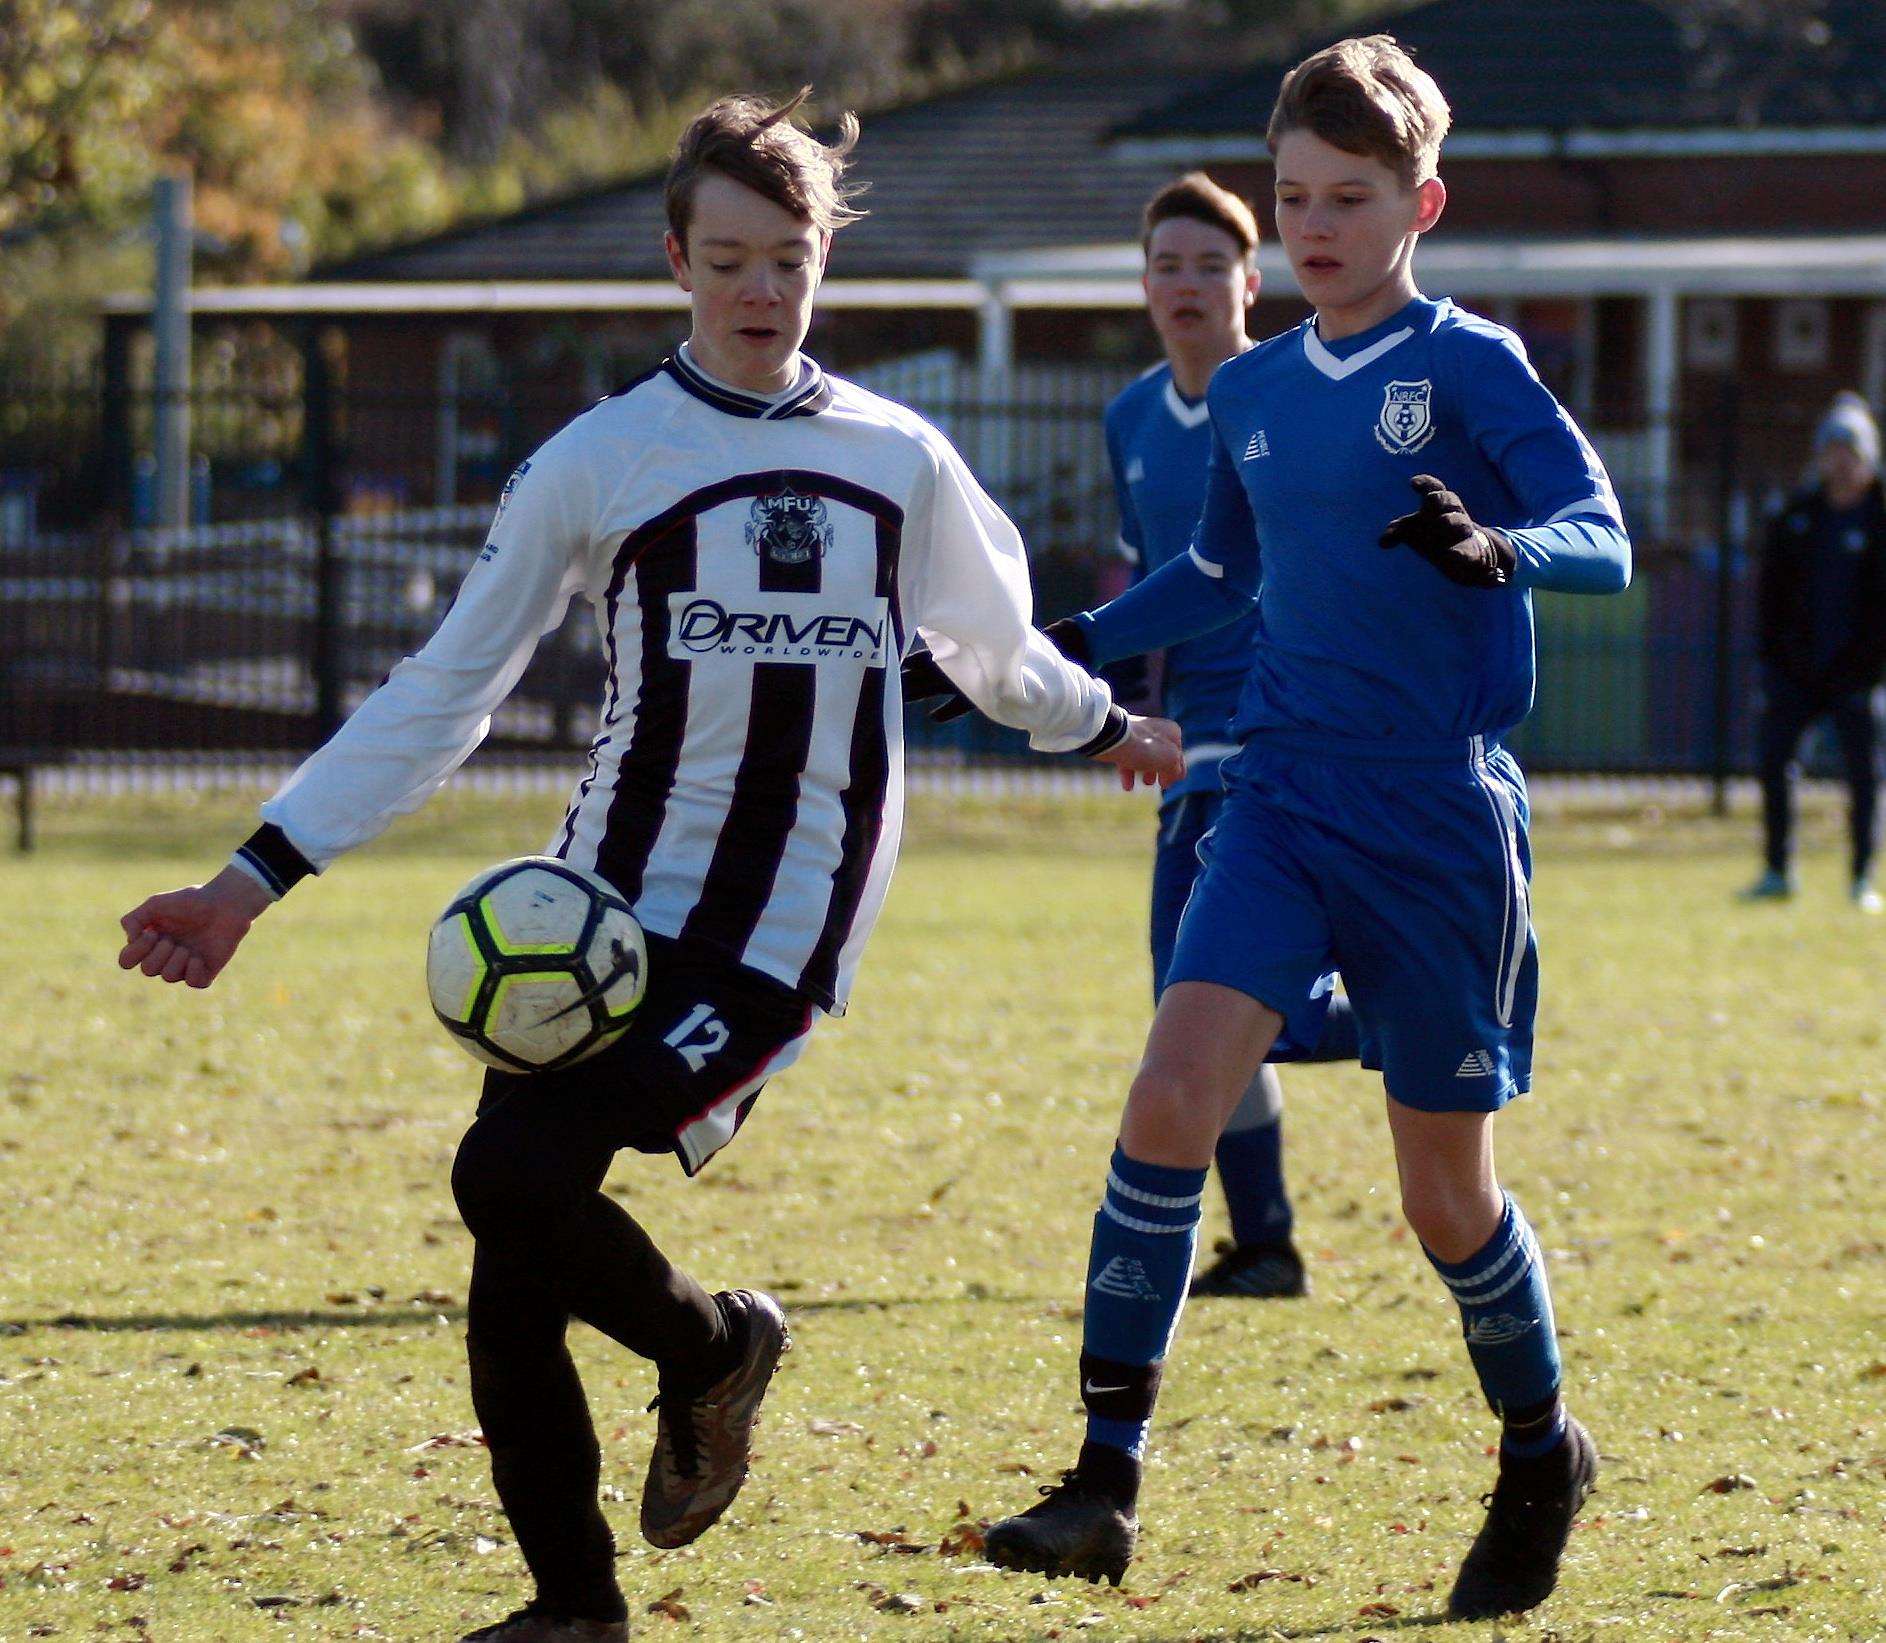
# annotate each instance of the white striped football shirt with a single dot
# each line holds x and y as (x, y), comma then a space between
(758, 566)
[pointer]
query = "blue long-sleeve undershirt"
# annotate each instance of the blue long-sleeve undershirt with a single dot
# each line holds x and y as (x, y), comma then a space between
(1588, 554)
(1179, 601)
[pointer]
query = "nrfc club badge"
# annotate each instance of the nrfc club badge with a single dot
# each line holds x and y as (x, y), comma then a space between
(1407, 419)
(788, 528)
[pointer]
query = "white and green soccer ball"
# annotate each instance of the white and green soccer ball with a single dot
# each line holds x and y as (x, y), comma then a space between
(536, 964)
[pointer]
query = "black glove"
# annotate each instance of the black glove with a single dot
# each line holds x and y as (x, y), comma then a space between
(1475, 556)
(923, 679)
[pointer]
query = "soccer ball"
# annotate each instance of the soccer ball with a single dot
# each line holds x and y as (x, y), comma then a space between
(536, 964)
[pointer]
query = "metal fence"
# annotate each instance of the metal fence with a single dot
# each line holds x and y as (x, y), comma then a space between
(319, 558)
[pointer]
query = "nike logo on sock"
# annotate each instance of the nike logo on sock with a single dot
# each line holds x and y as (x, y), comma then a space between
(1093, 1390)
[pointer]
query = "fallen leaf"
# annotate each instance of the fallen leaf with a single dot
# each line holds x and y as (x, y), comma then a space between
(670, 1604)
(1727, 1484)
(245, 1440)
(450, 1440)
(893, 1540)
(184, 1553)
(965, 1540)
(899, 1603)
(832, 1429)
(1250, 1582)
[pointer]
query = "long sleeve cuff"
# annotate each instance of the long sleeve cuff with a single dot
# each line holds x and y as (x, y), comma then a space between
(274, 863)
(1112, 733)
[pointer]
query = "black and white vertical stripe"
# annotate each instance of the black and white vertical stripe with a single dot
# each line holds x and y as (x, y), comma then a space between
(740, 798)
(659, 562)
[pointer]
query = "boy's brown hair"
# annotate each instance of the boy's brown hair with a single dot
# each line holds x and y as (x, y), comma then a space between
(1197, 197)
(1366, 96)
(755, 143)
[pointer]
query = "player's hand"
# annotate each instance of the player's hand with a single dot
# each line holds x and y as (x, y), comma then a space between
(1475, 556)
(1150, 753)
(189, 935)
(924, 681)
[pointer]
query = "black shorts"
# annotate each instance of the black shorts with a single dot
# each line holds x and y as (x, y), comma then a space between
(705, 1040)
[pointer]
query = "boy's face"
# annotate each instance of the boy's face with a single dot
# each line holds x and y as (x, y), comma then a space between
(1198, 284)
(1843, 470)
(751, 269)
(1346, 219)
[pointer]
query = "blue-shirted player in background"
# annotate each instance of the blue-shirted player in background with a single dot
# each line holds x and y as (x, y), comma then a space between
(1372, 821)
(1200, 243)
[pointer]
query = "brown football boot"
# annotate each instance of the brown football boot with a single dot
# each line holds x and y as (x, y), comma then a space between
(702, 1443)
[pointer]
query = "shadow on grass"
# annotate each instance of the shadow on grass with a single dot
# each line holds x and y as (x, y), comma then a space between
(132, 1323)
(1365, 1627)
(1361, 1628)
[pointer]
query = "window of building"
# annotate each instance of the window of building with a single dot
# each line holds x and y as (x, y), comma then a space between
(1709, 334)
(1801, 335)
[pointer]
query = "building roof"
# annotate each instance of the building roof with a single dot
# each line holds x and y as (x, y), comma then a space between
(1542, 66)
(998, 167)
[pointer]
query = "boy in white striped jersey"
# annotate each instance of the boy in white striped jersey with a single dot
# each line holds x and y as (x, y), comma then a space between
(761, 544)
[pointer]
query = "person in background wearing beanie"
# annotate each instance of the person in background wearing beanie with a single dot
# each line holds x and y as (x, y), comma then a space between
(1823, 637)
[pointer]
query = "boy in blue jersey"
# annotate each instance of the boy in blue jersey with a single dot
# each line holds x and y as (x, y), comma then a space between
(1200, 244)
(1402, 480)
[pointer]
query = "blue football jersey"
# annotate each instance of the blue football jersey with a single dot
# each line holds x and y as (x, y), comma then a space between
(1159, 443)
(1314, 448)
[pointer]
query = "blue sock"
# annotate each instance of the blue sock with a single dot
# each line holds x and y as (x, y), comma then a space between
(1251, 1170)
(1506, 1316)
(1144, 1237)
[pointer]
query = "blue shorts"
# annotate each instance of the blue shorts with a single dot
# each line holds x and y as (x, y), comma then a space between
(1409, 873)
(1183, 824)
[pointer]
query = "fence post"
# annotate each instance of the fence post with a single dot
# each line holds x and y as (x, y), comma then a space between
(1721, 738)
(321, 502)
(114, 416)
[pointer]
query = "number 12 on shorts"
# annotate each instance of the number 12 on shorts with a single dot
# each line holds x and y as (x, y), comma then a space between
(699, 1034)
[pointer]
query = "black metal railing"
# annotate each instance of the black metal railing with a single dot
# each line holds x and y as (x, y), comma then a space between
(330, 528)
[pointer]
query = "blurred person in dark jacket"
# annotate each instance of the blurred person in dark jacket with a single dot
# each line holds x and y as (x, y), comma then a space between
(1823, 637)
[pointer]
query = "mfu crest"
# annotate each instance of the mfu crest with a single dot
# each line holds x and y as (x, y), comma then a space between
(788, 528)
(1407, 419)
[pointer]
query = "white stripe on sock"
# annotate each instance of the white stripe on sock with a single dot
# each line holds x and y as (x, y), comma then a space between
(1153, 1199)
(1135, 1224)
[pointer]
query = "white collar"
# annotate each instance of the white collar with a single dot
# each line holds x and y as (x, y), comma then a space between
(1187, 416)
(1336, 369)
(802, 369)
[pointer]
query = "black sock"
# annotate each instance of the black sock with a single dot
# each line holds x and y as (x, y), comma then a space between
(703, 1369)
(1534, 1435)
(1110, 1471)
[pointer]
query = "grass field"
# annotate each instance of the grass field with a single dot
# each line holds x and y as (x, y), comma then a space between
(231, 1396)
